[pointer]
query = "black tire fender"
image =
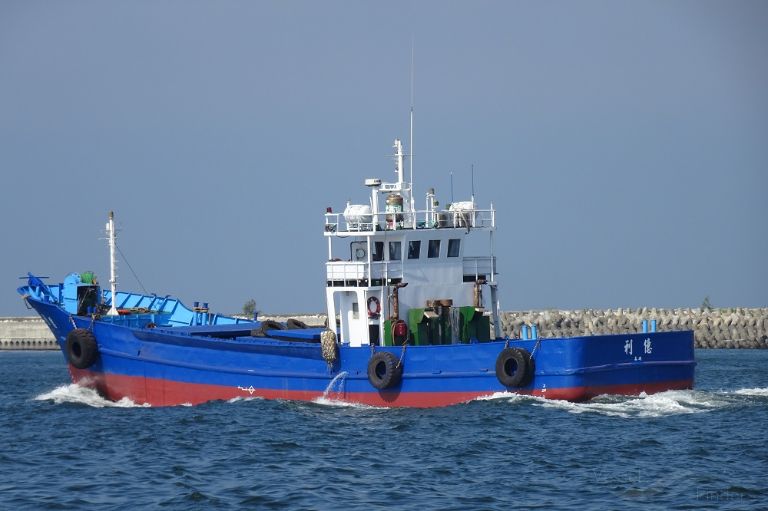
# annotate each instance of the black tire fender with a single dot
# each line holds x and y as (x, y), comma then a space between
(295, 324)
(514, 367)
(384, 370)
(268, 324)
(81, 348)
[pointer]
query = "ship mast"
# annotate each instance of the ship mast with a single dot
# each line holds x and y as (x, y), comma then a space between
(410, 142)
(111, 237)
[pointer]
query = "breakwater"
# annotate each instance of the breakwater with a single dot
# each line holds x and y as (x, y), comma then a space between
(736, 327)
(713, 328)
(25, 333)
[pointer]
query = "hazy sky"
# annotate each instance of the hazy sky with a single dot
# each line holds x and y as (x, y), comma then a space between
(624, 144)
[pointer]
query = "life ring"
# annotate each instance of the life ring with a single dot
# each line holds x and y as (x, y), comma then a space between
(514, 367)
(384, 370)
(81, 348)
(376, 309)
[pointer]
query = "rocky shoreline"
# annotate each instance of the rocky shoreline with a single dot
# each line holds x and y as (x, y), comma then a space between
(736, 327)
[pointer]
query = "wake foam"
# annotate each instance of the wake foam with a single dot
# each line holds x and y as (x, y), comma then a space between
(509, 397)
(76, 394)
(672, 402)
(752, 392)
(337, 403)
(662, 404)
(244, 399)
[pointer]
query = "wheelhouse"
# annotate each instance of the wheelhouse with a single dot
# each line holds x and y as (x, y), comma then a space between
(397, 275)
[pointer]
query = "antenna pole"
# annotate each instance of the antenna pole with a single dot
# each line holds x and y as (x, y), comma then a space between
(451, 187)
(111, 237)
(473, 182)
(410, 143)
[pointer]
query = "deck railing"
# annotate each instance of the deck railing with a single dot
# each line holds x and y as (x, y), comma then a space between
(347, 271)
(483, 265)
(335, 223)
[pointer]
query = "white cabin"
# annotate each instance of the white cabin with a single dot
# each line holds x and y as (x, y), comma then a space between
(395, 264)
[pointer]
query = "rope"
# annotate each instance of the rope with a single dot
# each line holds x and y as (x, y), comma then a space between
(131, 268)
(402, 354)
(536, 347)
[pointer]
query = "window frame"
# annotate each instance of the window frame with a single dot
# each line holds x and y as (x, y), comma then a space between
(399, 251)
(411, 245)
(454, 242)
(430, 253)
(378, 251)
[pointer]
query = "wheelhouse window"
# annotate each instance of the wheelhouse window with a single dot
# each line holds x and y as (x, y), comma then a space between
(414, 249)
(378, 251)
(453, 248)
(433, 250)
(394, 251)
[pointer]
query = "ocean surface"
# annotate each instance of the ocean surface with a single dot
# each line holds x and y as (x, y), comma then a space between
(63, 447)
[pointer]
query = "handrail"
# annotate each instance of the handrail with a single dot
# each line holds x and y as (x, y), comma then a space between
(359, 270)
(479, 265)
(460, 219)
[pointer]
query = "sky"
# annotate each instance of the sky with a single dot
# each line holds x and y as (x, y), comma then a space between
(623, 144)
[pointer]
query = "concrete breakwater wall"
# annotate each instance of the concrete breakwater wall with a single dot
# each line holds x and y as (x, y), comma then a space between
(25, 334)
(713, 328)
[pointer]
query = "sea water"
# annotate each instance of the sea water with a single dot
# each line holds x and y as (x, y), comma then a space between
(63, 447)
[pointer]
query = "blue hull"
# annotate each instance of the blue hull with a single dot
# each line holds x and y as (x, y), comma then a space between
(189, 365)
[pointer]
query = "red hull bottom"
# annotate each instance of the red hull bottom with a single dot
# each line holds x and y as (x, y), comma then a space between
(159, 392)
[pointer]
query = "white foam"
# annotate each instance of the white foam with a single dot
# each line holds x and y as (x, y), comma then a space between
(752, 392)
(338, 403)
(241, 398)
(77, 394)
(662, 404)
(510, 397)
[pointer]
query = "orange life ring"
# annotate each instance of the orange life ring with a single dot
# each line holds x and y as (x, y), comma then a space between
(376, 306)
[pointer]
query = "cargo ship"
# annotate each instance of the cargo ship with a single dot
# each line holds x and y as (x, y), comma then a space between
(413, 322)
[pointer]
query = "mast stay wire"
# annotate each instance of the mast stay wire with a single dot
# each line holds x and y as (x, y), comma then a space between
(131, 268)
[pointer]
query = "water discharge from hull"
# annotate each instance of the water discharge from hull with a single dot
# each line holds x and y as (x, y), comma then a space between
(336, 386)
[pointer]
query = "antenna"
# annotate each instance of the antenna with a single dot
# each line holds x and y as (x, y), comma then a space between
(472, 167)
(410, 143)
(451, 187)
